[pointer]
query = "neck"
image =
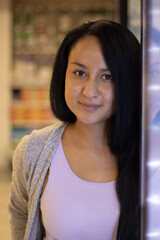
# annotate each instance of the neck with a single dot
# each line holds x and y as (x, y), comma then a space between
(90, 134)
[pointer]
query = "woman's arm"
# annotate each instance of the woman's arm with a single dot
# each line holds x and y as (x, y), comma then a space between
(18, 205)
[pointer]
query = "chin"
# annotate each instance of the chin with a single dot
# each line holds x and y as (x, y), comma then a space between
(91, 121)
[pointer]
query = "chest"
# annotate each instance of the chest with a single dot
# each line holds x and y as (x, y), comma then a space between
(84, 210)
(93, 166)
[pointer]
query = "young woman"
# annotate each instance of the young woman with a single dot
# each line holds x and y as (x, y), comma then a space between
(79, 179)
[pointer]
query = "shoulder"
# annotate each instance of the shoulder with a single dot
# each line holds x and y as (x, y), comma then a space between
(41, 135)
(31, 146)
(43, 139)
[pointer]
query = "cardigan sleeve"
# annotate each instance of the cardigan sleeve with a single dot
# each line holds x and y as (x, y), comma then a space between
(30, 161)
(18, 204)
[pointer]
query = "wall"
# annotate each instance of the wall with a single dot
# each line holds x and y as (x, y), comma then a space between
(5, 74)
(6, 64)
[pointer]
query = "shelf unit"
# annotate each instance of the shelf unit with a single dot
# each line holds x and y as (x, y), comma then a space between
(37, 30)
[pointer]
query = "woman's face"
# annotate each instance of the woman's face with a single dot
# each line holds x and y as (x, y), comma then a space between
(89, 89)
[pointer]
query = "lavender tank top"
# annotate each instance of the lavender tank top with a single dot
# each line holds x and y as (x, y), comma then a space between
(75, 209)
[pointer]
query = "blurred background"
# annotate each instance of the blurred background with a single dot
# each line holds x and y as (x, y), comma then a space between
(30, 34)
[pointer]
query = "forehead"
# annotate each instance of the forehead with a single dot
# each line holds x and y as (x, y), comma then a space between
(86, 41)
(86, 47)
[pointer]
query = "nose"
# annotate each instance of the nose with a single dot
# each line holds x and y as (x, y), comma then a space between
(90, 88)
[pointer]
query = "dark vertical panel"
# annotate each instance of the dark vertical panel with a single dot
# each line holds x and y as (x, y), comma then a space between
(123, 12)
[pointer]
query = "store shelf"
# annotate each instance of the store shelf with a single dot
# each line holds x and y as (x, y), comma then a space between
(37, 31)
(32, 123)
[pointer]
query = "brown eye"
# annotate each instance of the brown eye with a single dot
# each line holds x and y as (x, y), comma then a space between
(80, 73)
(107, 77)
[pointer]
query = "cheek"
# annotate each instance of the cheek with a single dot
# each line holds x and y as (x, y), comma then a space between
(113, 101)
(70, 92)
(68, 89)
(67, 93)
(110, 99)
(109, 95)
(72, 89)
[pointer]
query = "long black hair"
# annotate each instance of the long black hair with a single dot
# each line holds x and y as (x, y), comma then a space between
(121, 51)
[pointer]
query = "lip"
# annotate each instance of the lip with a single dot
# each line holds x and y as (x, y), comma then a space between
(89, 107)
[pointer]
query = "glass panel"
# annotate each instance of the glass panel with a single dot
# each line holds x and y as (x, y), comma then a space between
(150, 184)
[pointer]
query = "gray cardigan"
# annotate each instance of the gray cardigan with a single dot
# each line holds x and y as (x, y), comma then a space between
(31, 162)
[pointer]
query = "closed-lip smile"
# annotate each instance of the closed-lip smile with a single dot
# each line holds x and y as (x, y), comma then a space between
(90, 106)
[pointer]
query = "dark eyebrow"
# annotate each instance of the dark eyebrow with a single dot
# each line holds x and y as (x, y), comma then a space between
(84, 66)
(79, 64)
(105, 70)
